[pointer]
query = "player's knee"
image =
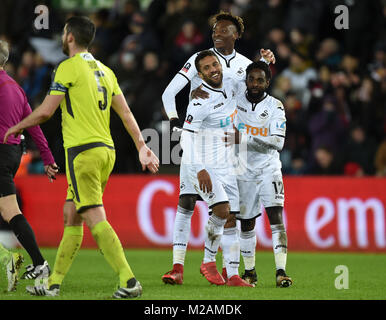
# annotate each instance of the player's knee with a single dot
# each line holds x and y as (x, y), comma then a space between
(275, 215)
(70, 216)
(247, 224)
(187, 202)
(221, 210)
(231, 221)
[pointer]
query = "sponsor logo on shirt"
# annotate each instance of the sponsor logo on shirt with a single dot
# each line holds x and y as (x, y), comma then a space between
(242, 109)
(228, 120)
(218, 105)
(254, 131)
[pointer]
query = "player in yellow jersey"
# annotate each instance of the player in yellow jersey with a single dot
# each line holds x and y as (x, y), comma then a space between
(85, 89)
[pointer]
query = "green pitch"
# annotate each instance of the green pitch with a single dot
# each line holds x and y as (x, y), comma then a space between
(90, 278)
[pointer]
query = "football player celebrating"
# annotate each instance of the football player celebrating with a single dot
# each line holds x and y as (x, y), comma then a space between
(227, 28)
(262, 124)
(209, 164)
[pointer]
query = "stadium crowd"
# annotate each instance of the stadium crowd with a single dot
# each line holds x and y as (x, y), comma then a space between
(332, 82)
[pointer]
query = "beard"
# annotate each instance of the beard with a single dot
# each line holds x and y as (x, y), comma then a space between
(255, 96)
(212, 83)
(65, 49)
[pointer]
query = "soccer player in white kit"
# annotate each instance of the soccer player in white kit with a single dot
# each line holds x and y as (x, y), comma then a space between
(226, 30)
(262, 124)
(209, 164)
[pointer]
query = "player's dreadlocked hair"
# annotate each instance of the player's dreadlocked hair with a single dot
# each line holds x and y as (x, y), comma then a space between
(236, 20)
(262, 66)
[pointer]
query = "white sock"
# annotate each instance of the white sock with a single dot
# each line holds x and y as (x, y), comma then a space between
(181, 234)
(279, 244)
(213, 233)
(231, 251)
(248, 248)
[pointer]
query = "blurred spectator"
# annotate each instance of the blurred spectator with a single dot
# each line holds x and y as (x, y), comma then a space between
(187, 42)
(326, 128)
(300, 75)
(36, 166)
(377, 67)
(328, 53)
(281, 88)
(260, 18)
(36, 77)
(326, 163)
(302, 42)
(304, 14)
(353, 169)
(297, 137)
(327, 79)
(298, 166)
(360, 150)
(365, 23)
(102, 46)
(282, 53)
(147, 104)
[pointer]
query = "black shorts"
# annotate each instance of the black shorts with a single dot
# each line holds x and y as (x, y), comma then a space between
(10, 156)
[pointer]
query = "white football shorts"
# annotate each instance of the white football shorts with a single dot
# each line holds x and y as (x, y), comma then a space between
(266, 189)
(224, 187)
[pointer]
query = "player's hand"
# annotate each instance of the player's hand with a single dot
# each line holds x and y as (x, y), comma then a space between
(148, 160)
(268, 55)
(175, 124)
(51, 170)
(204, 181)
(231, 138)
(12, 131)
(199, 93)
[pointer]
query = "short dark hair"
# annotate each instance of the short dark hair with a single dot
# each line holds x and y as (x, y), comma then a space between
(202, 55)
(83, 30)
(262, 66)
(236, 20)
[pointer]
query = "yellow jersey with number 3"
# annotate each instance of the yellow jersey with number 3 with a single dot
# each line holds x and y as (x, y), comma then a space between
(88, 87)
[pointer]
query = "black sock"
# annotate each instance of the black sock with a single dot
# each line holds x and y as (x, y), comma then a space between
(26, 237)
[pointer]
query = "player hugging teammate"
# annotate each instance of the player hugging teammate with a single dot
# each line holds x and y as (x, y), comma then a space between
(226, 30)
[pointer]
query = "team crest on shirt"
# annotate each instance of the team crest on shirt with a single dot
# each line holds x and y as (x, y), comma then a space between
(240, 71)
(263, 115)
(186, 67)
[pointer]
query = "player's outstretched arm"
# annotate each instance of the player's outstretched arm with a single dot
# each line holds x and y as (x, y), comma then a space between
(169, 95)
(38, 116)
(146, 156)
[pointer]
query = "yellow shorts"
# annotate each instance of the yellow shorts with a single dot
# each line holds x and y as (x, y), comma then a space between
(88, 168)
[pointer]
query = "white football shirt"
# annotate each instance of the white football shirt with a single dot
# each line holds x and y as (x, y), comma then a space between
(265, 118)
(205, 123)
(234, 65)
